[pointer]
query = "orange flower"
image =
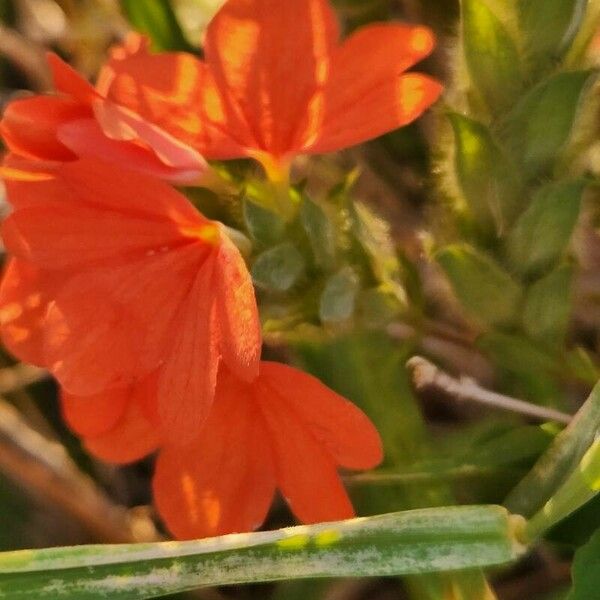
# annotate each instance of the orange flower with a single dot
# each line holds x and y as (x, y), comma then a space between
(79, 122)
(116, 275)
(283, 430)
(277, 82)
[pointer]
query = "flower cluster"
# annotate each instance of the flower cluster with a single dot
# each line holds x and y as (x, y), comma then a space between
(141, 307)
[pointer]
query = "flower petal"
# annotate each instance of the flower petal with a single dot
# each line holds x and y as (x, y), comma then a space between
(69, 82)
(337, 424)
(268, 58)
(306, 471)
(24, 296)
(29, 126)
(102, 185)
(92, 416)
(121, 124)
(87, 140)
(187, 383)
(366, 94)
(108, 327)
(30, 182)
(236, 312)
(224, 482)
(174, 91)
(104, 213)
(133, 438)
(57, 235)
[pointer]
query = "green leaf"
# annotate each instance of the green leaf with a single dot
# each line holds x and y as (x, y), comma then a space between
(278, 268)
(581, 486)
(491, 55)
(549, 27)
(339, 296)
(540, 126)
(526, 367)
(543, 231)
(485, 290)
(548, 306)
(485, 176)
(586, 570)
(582, 366)
(590, 466)
(320, 232)
(265, 226)
(561, 459)
(157, 20)
(413, 542)
(373, 234)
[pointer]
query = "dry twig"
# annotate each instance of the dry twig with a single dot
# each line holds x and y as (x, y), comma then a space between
(45, 468)
(26, 56)
(426, 376)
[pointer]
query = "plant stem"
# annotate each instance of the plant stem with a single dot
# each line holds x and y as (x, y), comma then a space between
(427, 376)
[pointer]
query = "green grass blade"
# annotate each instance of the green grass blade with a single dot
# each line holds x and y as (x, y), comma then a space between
(559, 461)
(411, 542)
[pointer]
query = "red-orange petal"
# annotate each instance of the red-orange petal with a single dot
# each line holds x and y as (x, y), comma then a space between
(29, 126)
(87, 140)
(69, 82)
(132, 438)
(24, 296)
(103, 185)
(29, 182)
(224, 482)
(306, 472)
(92, 416)
(58, 236)
(187, 382)
(366, 94)
(173, 90)
(268, 58)
(109, 326)
(103, 214)
(240, 337)
(122, 124)
(338, 425)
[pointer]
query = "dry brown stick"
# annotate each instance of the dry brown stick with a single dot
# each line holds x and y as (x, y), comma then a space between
(45, 469)
(427, 376)
(27, 56)
(20, 376)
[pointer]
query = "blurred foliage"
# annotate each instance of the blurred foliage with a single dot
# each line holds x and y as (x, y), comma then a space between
(495, 269)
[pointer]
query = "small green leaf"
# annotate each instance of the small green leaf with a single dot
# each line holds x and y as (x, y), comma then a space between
(278, 268)
(409, 543)
(157, 20)
(484, 174)
(543, 231)
(320, 232)
(586, 570)
(492, 58)
(549, 27)
(265, 226)
(548, 306)
(485, 290)
(339, 296)
(539, 127)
